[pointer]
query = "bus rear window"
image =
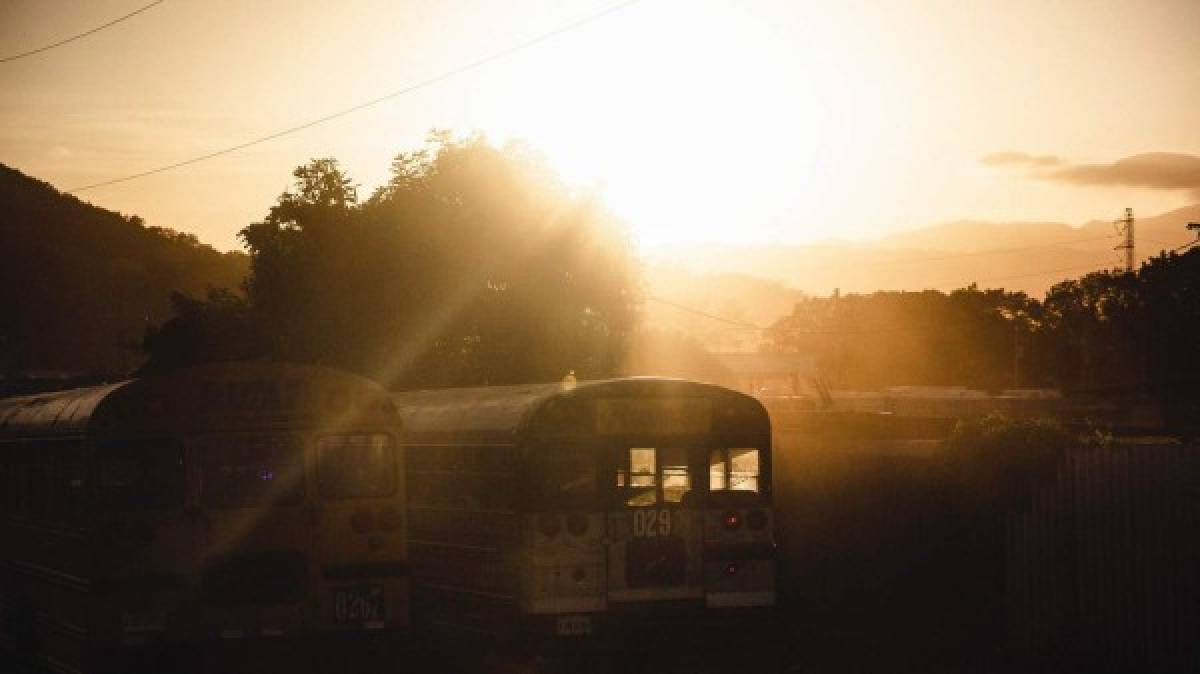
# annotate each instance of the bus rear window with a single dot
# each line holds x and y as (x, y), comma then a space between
(250, 471)
(734, 469)
(145, 475)
(562, 478)
(655, 475)
(356, 465)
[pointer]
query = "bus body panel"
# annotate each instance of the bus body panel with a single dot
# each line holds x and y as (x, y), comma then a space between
(184, 507)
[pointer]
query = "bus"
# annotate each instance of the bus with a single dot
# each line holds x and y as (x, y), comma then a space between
(575, 512)
(249, 501)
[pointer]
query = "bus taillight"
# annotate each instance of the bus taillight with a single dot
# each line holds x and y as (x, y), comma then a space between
(731, 520)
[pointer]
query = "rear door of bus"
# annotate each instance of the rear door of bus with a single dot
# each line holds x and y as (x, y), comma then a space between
(655, 524)
(253, 534)
(360, 568)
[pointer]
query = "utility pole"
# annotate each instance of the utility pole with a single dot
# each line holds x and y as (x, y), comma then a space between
(1125, 226)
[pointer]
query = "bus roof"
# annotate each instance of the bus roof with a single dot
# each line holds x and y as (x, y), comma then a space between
(197, 397)
(499, 414)
(58, 413)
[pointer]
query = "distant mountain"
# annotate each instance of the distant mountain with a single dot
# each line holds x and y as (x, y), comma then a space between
(1024, 256)
(718, 311)
(79, 284)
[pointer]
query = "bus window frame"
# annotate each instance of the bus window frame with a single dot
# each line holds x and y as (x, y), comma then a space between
(200, 446)
(94, 475)
(763, 480)
(530, 470)
(696, 454)
(396, 466)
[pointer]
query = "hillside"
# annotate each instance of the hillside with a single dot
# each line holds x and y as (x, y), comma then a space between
(1029, 257)
(742, 300)
(79, 284)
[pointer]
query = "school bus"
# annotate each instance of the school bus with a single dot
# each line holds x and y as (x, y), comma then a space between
(578, 511)
(250, 501)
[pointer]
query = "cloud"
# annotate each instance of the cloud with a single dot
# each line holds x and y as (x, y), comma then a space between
(1152, 170)
(1021, 159)
(1156, 170)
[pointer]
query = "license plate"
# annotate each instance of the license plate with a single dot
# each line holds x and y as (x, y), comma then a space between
(573, 625)
(361, 604)
(148, 620)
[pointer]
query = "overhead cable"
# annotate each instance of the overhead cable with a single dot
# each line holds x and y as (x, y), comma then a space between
(93, 31)
(509, 51)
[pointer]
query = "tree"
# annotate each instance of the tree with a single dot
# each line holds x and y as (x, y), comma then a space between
(472, 265)
(890, 338)
(523, 279)
(216, 329)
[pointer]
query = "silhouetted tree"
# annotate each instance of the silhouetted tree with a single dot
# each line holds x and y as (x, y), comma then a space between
(888, 338)
(218, 328)
(472, 265)
(1112, 333)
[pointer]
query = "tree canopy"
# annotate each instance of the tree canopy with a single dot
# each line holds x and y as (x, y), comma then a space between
(473, 265)
(1110, 334)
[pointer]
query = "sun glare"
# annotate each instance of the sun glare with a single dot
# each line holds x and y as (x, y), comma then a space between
(692, 124)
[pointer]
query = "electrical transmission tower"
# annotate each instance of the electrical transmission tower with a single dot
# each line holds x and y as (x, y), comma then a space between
(1125, 226)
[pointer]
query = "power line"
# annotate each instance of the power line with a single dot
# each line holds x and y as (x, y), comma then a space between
(690, 310)
(82, 35)
(495, 56)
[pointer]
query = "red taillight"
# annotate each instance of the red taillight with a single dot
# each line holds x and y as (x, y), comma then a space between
(362, 521)
(577, 524)
(549, 525)
(731, 569)
(731, 520)
(390, 519)
(756, 519)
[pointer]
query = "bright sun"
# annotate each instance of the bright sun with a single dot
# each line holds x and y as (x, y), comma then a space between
(692, 123)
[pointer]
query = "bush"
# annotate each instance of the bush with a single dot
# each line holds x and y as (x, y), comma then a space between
(1001, 460)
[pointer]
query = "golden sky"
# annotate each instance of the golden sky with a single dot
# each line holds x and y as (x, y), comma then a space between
(754, 121)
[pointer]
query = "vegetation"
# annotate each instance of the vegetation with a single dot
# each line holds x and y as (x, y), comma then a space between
(472, 265)
(475, 265)
(1003, 460)
(79, 283)
(1110, 332)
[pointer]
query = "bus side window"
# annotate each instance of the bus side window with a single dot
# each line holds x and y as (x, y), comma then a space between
(6, 486)
(73, 486)
(142, 475)
(39, 497)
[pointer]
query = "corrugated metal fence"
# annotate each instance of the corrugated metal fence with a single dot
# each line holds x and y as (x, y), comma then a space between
(1106, 560)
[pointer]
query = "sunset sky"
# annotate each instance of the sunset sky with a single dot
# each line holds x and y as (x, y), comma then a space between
(756, 121)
